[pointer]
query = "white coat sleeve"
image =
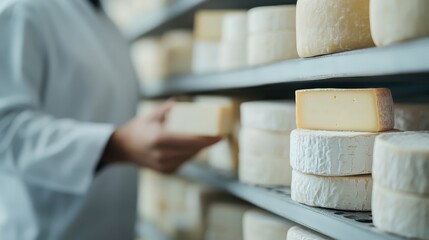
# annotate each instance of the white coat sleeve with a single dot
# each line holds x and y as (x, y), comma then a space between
(59, 154)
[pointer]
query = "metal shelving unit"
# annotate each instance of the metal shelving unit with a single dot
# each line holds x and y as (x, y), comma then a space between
(333, 223)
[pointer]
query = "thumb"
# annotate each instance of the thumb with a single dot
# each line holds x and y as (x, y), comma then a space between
(160, 114)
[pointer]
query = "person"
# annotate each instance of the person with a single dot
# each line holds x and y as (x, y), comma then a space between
(69, 144)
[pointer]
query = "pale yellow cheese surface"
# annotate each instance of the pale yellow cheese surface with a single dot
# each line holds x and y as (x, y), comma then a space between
(365, 110)
(208, 24)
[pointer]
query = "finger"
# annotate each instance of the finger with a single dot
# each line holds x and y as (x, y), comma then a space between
(172, 141)
(162, 111)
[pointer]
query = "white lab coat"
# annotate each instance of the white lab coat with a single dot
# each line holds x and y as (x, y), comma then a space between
(66, 81)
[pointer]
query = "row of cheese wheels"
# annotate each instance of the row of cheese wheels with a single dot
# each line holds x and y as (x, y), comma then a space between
(184, 209)
(230, 39)
(325, 163)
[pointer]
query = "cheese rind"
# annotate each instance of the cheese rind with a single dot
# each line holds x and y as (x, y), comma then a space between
(412, 117)
(394, 21)
(271, 47)
(271, 19)
(266, 115)
(258, 224)
(331, 26)
(345, 193)
(232, 55)
(264, 143)
(199, 119)
(401, 161)
(234, 27)
(302, 233)
(224, 155)
(262, 170)
(332, 153)
(361, 110)
(400, 213)
(205, 56)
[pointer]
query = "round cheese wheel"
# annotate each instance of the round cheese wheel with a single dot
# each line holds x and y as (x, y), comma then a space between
(232, 55)
(271, 19)
(234, 27)
(302, 233)
(258, 224)
(264, 143)
(331, 26)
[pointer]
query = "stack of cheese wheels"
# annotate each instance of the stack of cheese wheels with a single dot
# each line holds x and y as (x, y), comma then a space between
(411, 117)
(271, 34)
(207, 37)
(178, 47)
(400, 201)
(331, 26)
(224, 154)
(302, 233)
(264, 143)
(259, 224)
(232, 53)
(225, 220)
(394, 21)
(331, 151)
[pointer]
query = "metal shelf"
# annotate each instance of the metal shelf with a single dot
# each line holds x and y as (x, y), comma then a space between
(334, 223)
(397, 65)
(181, 15)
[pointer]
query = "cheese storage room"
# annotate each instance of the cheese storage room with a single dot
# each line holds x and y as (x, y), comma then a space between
(214, 119)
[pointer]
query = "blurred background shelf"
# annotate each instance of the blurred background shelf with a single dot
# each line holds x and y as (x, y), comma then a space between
(181, 15)
(404, 68)
(334, 223)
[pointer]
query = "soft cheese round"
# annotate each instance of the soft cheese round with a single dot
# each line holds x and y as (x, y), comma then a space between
(232, 55)
(269, 115)
(264, 143)
(401, 161)
(412, 117)
(271, 19)
(265, 171)
(331, 153)
(331, 26)
(271, 47)
(345, 193)
(205, 57)
(234, 27)
(394, 21)
(400, 213)
(225, 220)
(258, 224)
(302, 233)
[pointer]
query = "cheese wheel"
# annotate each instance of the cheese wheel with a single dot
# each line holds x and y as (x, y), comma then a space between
(264, 143)
(267, 19)
(412, 117)
(224, 155)
(234, 27)
(332, 153)
(362, 110)
(265, 171)
(178, 45)
(258, 224)
(268, 115)
(271, 47)
(205, 57)
(394, 21)
(208, 25)
(302, 233)
(401, 161)
(345, 193)
(232, 55)
(331, 26)
(400, 213)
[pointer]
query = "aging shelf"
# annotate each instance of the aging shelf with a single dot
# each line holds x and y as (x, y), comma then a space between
(334, 223)
(403, 65)
(181, 15)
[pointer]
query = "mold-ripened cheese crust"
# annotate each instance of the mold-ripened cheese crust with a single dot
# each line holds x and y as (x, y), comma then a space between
(302, 233)
(262, 20)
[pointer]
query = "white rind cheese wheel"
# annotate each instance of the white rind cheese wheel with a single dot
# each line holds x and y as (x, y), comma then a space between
(234, 27)
(178, 46)
(394, 21)
(400, 213)
(332, 153)
(271, 47)
(262, 20)
(412, 117)
(331, 26)
(345, 193)
(224, 155)
(232, 55)
(266, 171)
(302, 233)
(271, 116)
(264, 143)
(401, 161)
(258, 224)
(205, 57)
(360, 110)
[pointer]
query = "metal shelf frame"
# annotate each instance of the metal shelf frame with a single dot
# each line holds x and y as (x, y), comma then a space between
(333, 223)
(386, 66)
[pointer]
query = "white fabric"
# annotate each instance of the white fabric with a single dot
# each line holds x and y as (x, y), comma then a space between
(66, 81)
